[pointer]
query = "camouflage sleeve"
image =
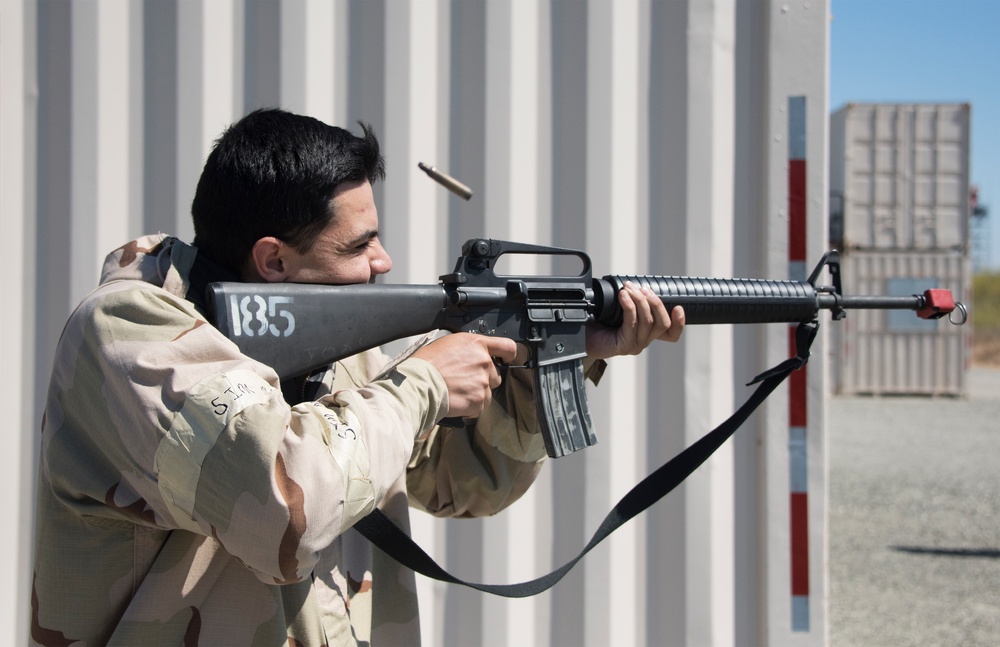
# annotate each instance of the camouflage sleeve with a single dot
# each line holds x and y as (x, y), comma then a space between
(481, 469)
(213, 448)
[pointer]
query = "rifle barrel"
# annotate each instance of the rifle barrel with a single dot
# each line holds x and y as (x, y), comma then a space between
(833, 302)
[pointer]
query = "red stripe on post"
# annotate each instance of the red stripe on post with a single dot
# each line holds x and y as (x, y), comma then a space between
(800, 543)
(797, 210)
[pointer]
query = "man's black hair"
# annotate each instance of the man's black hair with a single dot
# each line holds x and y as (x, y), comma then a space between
(274, 173)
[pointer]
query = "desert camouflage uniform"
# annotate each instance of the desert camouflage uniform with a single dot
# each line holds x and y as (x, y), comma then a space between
(182, 500)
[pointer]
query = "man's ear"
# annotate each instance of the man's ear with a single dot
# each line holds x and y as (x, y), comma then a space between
(268, 259)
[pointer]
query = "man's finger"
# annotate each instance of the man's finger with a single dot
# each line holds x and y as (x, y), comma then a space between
(628, 308)
(643, 313)
(502, 348)
(676, 326)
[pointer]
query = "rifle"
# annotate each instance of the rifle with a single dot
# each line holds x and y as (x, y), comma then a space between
(297, 328)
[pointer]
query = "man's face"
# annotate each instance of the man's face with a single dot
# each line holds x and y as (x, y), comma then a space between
(348, 250)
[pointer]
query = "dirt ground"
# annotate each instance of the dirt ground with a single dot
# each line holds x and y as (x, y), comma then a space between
(914, 518)
(986, 347)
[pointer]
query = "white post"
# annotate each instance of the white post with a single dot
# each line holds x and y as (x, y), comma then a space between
(794, 478)
(17, 467)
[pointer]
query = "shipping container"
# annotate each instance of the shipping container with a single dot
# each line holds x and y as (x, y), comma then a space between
(899, 176)
(880, 352)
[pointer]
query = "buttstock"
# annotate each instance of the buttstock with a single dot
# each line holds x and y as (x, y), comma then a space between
(297, 328)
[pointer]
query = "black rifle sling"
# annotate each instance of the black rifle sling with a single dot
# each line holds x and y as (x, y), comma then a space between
(388, 537)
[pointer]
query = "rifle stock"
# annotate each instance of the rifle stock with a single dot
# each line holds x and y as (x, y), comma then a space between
(296, 328)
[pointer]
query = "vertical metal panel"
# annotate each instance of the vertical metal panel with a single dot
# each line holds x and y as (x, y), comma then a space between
(466, 111)
(206, 89)
(415, 94)
(193, 60)
(262, 82)
(314, 58)
(159, 130)
(879, 353)
(325, 48)
(902, 171)
(613, 202)
(366, 69)
(84, 132)
(17, 466)
(465, 543)
(512, 546)
(134, 120)
(54, 165)
(408, 130)
(708, 389)
(111, 151)
(750, 189)
(569, 35)
(691, 198)
(667, 576)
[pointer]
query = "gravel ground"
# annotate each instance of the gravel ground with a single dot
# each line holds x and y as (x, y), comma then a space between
(915, 518)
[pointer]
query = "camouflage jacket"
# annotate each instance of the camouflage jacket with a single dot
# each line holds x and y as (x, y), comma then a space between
(181, 500)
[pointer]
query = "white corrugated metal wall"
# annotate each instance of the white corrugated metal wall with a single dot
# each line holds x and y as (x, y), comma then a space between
(651, 134)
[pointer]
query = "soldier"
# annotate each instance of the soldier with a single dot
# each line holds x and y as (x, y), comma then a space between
(186, 496)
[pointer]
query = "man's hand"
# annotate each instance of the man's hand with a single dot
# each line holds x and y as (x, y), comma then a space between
(466, 362)
(644, 320)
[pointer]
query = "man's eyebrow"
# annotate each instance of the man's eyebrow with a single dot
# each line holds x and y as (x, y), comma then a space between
(363, 237)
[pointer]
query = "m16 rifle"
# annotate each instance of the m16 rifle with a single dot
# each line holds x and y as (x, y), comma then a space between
(297, 328)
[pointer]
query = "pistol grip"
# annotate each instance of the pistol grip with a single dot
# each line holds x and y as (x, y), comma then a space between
(563, 412)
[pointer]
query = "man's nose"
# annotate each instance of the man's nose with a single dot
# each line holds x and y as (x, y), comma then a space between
(381, 262)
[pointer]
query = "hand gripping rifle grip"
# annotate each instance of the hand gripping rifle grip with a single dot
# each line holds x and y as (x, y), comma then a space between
(714, 301)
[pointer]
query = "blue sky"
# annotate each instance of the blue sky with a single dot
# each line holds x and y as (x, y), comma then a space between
(926, 51)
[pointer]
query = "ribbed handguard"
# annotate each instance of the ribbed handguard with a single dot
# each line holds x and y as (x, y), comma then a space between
(715, 301)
